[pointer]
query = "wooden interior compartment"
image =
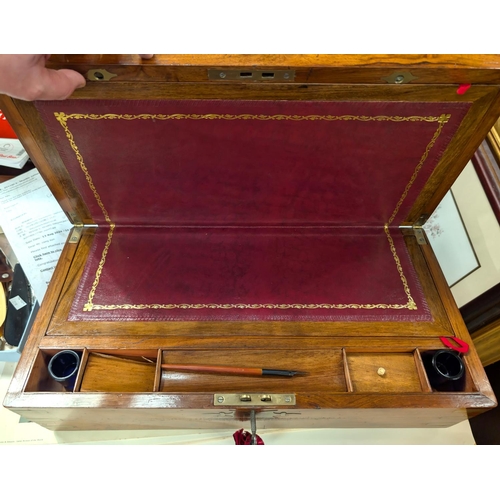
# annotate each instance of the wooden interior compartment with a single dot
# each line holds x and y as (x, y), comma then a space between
(39, 379)
(324, 371)
(400, 373)
(120, 371)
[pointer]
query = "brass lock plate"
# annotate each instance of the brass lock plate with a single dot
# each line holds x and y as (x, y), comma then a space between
(251, 399)
(252, 75)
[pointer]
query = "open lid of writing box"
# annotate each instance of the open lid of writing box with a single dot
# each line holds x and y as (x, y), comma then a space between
(258, 201)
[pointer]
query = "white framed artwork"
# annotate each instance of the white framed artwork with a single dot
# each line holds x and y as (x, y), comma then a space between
(465, 236)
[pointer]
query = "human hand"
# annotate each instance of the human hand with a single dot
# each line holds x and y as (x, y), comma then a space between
(24, 76)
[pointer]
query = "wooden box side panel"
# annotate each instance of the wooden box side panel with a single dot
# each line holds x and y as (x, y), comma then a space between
(66, 419)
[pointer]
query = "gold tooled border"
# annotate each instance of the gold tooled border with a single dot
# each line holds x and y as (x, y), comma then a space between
(63, 118)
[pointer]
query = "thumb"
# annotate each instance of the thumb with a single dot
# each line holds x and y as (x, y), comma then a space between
(60, 84)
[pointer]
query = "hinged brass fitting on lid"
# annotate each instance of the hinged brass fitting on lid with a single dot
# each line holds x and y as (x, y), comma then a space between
(419, 231)
(399, 77)
(99, 75)
(76, 234)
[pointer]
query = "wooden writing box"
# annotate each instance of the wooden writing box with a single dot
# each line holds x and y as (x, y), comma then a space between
(258, 211)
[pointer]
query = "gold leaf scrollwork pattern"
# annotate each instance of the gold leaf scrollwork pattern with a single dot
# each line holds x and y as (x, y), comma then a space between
(213, 116)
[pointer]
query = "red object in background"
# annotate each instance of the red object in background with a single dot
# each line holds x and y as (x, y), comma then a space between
(6, 131)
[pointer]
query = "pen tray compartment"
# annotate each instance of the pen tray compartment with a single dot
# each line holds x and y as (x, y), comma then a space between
(324, 370)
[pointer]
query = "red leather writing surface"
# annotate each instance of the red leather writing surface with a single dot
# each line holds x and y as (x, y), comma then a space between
(316, 274)
(250, 210)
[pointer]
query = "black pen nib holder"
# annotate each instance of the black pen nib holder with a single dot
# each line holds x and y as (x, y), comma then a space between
(445, 370)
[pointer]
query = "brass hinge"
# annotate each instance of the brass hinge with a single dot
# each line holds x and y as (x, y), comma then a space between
(419, 231)
(100, 75)
(399, 77)
(74, 219)
(259, 399)
(77, 230)
(76, 234)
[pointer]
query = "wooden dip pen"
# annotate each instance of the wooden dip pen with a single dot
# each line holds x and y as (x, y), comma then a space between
(232, 370)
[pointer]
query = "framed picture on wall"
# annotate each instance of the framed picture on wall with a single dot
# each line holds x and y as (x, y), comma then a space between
(464, 230)
(450, 241)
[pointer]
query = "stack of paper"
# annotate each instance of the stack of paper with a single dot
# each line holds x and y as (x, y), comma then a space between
(12, 153)
(35, 226)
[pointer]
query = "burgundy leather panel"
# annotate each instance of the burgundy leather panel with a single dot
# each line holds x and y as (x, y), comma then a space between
(287, 162)
(316, 274)
(222, 207)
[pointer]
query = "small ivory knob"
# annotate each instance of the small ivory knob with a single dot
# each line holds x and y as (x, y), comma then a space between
(381, 371)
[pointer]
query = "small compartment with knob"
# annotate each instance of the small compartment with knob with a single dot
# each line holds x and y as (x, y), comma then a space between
(385, 372)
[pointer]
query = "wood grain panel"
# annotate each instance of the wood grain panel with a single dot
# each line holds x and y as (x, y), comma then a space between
(340, 68)
(66, 419)
(105, 373)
